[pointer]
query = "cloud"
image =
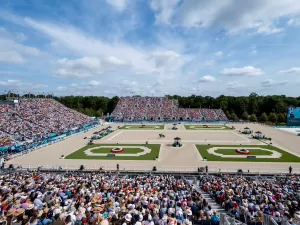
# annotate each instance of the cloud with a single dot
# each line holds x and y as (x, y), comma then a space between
(61, 88)
(244, 71)
(232, 85)
(291, 70)
(272, 83)
(256, 15)
(219, 53)
(9, 82)
(88, 66)
(207, 78)
(295, 22)
(118, 4)
(164, 9)
(164, 58)
(19, 85)
(11, 57)
(13, 52)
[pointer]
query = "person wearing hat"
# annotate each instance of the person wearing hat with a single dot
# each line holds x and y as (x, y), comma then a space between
(18, 214)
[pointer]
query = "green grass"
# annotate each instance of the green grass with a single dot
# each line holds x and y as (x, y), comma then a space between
(253, 152)
(79, 154)
(211, 127)
(126, 150)
(286, 157)
(148, 127)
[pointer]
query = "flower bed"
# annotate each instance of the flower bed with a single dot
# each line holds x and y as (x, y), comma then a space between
(117, 150)
(243, 151)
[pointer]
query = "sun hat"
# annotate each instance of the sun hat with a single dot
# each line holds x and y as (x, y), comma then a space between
(19, 212)
(128, 217)
(189, 212)
(11, 212)
(30, 206)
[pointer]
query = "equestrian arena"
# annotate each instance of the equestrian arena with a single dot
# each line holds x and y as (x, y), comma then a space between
(213, 146)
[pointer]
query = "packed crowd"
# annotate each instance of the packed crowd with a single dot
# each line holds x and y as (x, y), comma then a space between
(156, 108)
(248, 199)
(35, 118)
(100, 199)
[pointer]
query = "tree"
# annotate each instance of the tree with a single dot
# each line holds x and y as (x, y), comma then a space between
(281, 118)
(263, 117)
(253, 118)
(233, 117)
(272, 117)
(245, 116)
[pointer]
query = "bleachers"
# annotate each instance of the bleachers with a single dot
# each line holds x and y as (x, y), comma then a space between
(156, 108)
(33, 119)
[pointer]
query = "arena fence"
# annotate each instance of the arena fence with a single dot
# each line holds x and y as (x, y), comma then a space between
(148, 168)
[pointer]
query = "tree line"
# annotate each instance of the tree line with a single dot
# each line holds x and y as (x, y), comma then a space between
(271, 108)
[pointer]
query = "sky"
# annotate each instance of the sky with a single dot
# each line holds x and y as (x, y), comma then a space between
(150, 47)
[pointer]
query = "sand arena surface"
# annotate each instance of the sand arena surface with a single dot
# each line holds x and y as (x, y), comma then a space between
(185, 158)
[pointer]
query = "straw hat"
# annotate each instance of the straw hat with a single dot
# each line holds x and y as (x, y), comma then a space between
(11, 212)
(57, 206)
(19, 212)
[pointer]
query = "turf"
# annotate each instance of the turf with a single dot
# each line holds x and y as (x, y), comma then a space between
(147, 127)
(286, 157)
(79, 154)
(126, 150)
(211, 127)
(233, 152)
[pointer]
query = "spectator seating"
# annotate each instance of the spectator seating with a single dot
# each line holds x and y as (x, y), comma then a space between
(100, 198)
(32, 119)
(155, 108)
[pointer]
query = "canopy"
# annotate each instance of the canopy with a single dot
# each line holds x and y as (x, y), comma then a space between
(177, 138)
(246, 128)
(258, 132)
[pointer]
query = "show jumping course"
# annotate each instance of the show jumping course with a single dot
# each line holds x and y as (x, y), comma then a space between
(185, 158)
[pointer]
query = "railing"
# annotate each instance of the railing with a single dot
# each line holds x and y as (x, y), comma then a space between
(227, 220)
(148, 168)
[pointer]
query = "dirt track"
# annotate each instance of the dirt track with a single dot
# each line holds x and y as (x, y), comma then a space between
(170, 159)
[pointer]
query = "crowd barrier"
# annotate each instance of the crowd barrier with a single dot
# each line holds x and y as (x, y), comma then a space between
(148, 168)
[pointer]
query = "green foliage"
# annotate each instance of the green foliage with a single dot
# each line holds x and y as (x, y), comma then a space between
(233, 117)
(272, 117)
(253, 118)
(281, 118)
(263, 117)
(245, 116)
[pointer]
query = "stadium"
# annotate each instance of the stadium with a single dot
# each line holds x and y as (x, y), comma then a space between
(149, 112)
(142, 135)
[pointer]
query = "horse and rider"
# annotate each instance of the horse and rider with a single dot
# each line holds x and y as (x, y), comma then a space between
(162, 135)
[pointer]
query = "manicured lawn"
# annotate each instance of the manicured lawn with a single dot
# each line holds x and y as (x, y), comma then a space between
(233, 152)
(210, 127)
(126, 150)
(138, 127)
(286, 157)
(79, 154)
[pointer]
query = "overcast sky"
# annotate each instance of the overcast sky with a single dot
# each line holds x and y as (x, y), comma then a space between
(154, 47)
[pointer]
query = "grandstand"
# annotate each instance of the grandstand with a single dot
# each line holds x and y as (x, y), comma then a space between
(161, 109)
(33, 122)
